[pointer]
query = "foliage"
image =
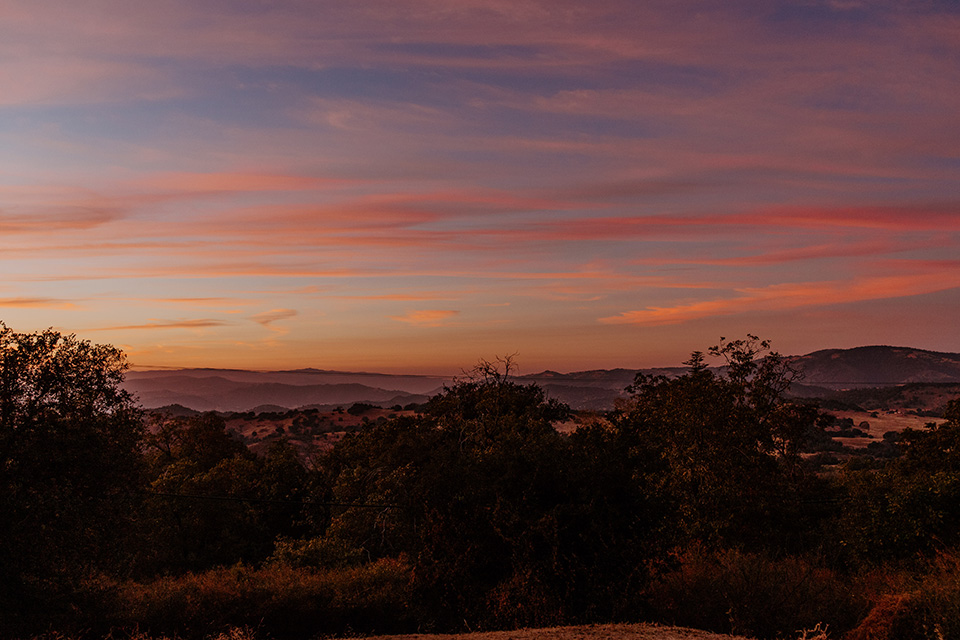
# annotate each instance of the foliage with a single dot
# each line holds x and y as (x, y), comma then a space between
(925, 608)
(359, 408)
(211, 501)
(755, 595)
(722, 449)
(495, 508)
(911, 505)
(69, 454)
(277, 601)
(690, 503)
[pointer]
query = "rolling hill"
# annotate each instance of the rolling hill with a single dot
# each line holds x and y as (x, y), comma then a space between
(876, 366)
(824, 372)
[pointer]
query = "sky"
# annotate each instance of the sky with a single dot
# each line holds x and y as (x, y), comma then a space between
(413, 185)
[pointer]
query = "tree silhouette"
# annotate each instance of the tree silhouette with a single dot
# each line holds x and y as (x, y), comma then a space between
(69, 457)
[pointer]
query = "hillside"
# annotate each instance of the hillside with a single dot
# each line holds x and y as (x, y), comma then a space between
(230, 390)
(876, 366)
(824, 372)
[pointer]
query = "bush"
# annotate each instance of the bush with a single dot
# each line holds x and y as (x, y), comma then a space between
(755, 595)
(359, 408)
(317, 553)
(930, 610)
(279, 601)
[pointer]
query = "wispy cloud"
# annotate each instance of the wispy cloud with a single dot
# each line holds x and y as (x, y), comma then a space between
(57, 79)
(267, 318)
(56, 219)
(402, 297)
(194, 183)
(36, 303)
(201, 323)
(203, 302)
(565, 158)
(781, 297)
(427, 317)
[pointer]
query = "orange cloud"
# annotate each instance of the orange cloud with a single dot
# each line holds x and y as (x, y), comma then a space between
(57, 218)
(167, 324)
(792, 296)
(203, 302)
(938, 217)
(426, 317)
(269, 317)
(36, 303)
(407, 297)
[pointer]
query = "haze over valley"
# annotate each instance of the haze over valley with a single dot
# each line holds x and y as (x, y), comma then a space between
(823, 374)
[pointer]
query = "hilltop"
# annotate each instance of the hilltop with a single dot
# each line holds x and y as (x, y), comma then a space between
(876, 366)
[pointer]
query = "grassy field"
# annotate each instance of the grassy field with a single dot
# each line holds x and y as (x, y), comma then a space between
(880, 423)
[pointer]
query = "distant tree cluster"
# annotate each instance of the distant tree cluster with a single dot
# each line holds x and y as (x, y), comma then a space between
(696, 501)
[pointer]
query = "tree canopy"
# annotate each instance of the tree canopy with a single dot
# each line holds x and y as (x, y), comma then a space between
(69, 455)
(718, 445)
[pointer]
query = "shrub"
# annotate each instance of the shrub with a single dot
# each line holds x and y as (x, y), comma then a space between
(931, 610)
(359, 408)
(756, 595)
(317, 553)
(280, 601)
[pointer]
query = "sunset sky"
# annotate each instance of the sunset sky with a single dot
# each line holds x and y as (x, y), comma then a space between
(410, 185)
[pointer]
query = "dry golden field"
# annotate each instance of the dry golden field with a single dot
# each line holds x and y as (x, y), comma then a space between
(880, 423)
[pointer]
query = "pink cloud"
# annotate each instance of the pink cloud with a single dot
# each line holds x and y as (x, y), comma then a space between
(841, 248)
(193, 183)
(59, 79)
(921, 217)
(820, 219)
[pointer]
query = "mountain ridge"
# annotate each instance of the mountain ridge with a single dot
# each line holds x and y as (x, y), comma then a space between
(824, 371)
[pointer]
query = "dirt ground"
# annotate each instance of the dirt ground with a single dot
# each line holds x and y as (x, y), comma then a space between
(587, 632)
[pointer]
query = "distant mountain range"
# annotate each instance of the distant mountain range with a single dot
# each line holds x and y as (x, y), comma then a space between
(239, 390)
(824, 372)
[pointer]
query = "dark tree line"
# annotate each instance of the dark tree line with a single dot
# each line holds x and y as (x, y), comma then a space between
(69, 453)
(500, 519)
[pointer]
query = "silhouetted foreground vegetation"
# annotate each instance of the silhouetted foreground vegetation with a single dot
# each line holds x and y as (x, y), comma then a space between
(693, 503)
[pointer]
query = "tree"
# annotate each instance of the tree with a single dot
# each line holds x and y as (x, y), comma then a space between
(911, 505)
(475, 491)
(69, 455)
(213, 501)
(720, 446)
